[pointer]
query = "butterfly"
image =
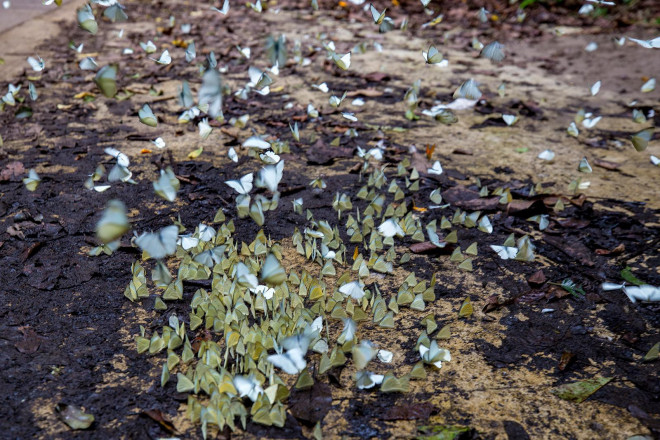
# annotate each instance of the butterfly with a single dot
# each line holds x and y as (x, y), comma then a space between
(378, 17)
(436, 168)
(354, 289)
(88, 63)
(210, 257)
(191, 52)
(211, 92)
(32, 181)
(433, 354)
(548, 155)
(167, 185)
(469, 90)
(505, 252)
(86, 19)
(147, 116)
(248, 387)
(432, 56)
(390, 228)
(291, 362)
(363, 354)
(148, 47)
(342, 61)
(106, 80)
(37, 63)
(159, 244)
(113, 223)
(164, 59)
(647, 44)
(493, 51)
(256, 142)
(272, 271)
(595, 88)
(243, 185)
(225, 8)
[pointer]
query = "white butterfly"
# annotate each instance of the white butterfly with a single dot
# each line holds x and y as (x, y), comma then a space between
(591, 47)
(204, 128)
(211, 93)
(244, 277)
(348, 333)
(232, 154)
(432, 56)
(363, 354)
(469, 90)
(322, 87)
(291, 362)
(159, 244)
(591, 122)
(493, 51)
(159, 142)
(164, 59)
(122, 159)
(366, 379)
(354, 289)
(349, 116)
(148, 47)
(505, 252)
(436, 168)
(248, 386)
(647, 44)
(242, 186)
(510, 119)
(272, 271)
(595, 88)
(342, 61)
(385, 356)
(37, 64)
(390, 228)
(256, 142)
(648, 86)
(191, 52)
(188, 242)
(546, 155)
(206, 232)
(88, 63)
(210, 257)
(270, 176)
(433, 354)
(225, 8)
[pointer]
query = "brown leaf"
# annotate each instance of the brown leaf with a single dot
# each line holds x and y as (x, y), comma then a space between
(618, 250)
(30, 342)
(12, 172)
(377, 77)
(572, 247)
(425, 247)
(608, 165)
(493, 302)
(579, 200)
(573, 223)
(162, 419)
(537, 278)
(312, 404)
(567, 358)
(413, 411)
(465, 198)
(367, 93)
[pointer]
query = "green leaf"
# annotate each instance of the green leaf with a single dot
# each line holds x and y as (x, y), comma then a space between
(579, 391)
(627, 275)
(448, 432)
(652, 355)
(572, 288)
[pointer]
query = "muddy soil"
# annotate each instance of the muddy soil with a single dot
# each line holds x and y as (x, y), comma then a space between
(67, 333)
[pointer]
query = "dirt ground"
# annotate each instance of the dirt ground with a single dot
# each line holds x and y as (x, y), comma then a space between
(67, 333)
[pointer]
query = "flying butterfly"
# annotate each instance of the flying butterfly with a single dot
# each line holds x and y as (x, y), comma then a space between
(113, 223)
(493, 51)
(243, 185)
(378, 17)
(159, 244)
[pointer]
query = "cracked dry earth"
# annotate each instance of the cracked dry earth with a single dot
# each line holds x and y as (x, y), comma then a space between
(67, 333)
